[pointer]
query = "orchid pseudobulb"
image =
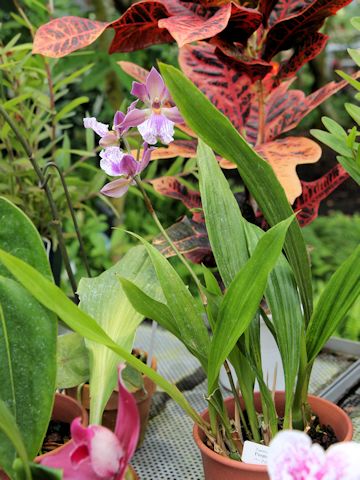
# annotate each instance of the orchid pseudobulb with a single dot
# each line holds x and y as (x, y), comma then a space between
(292, 456)
(95, 452)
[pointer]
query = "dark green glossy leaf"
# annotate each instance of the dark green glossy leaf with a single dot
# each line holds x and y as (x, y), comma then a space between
(72, 361)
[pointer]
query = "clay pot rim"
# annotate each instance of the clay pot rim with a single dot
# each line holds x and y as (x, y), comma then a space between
(262, 468)
(84, 421)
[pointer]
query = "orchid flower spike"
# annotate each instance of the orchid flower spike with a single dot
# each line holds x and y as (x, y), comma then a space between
(95, 452)
(157, 120)
(116, 163)
(292, 456)
(112, 137)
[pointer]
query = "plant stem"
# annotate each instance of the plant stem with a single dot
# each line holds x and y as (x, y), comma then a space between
(165, 234)
(72, 213)
(54, 211)
(261, 105)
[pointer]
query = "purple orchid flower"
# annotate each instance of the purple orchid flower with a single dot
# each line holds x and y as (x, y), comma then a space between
(292, 456)
(112, 137)
(157, 120)
(95, 452)
(116, 163)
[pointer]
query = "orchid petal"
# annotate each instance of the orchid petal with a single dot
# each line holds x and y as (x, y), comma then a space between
(155, 85)
(108, 140)
(146, 155)
(117, 188)
(139, 90)
(127, 427)
(106, 452)
(129, 166)
(173, 114)
(100, 128)
(118, 119)
(78, 431)
(157, 126)
(111, 161)
(80, 454)
(134, 118)
(343, 460)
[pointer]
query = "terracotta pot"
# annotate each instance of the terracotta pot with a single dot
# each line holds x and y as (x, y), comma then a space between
(142, 397)
(217, 467)
(65, 409)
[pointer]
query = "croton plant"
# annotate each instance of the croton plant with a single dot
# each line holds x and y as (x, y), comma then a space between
(237, 53)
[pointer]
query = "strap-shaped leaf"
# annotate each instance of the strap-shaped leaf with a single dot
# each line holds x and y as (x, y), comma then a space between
(224, 222)
(335, 301)
(149, 307)
(181, 304)
(243, 297)
(218, 132)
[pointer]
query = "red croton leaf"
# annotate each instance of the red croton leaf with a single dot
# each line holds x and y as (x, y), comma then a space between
(190, 26)
(65, 35)
(255, 69)
(139, 27)
(314, 192)
(191, 240)
(171, 187)
(265, 7)
(303, 53)
(286, 108)
(242, 24)
(285, 8)
(291, 31)
(229, 91)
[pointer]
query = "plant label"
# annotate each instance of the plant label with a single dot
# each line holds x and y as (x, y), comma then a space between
(254, 453)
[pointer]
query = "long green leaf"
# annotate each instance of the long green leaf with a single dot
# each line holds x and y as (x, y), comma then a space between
(104, 299)
(181, 304)
(335, 301)
(55, 300)
(9, 427)
(218, 132)
(224, 222)
(243, 297)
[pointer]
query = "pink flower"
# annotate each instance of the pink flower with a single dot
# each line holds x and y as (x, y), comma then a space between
(292, 456)
(116, 163)
(109, 138)
(157, 120)
(95, 452)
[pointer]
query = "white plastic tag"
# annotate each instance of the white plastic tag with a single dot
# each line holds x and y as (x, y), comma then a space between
(254, 453)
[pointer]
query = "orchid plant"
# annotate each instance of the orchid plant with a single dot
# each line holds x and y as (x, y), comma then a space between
(251, 265)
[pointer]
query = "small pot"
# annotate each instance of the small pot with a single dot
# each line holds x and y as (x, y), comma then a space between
(217, 467)
(65, 409)
(142, 397)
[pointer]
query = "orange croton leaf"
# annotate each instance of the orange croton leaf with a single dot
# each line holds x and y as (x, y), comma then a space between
(284, 156)
(65, 35)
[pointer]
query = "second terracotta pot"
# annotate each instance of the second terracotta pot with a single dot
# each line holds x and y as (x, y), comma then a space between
(142, 397)
(217, 467)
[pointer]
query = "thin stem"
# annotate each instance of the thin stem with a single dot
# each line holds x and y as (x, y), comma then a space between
(237, 400)
(72, 213)
(54, 211)
(164, 233)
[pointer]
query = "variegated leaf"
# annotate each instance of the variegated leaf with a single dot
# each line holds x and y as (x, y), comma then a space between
(187, 26)
(139, 27)
(292, 30)
(64, 35)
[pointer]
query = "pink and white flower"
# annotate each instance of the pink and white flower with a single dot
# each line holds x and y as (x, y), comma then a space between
(95, 452)
(116, 163)
(157, 120)
(292, 456)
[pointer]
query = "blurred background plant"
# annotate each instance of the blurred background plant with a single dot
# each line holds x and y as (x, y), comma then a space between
(47, 98)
